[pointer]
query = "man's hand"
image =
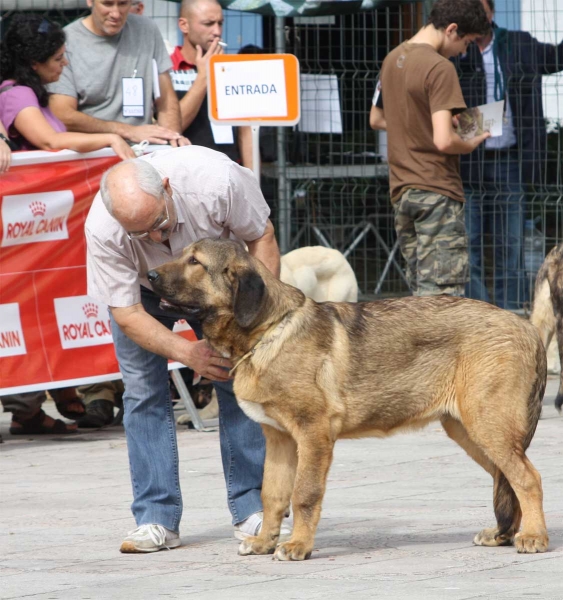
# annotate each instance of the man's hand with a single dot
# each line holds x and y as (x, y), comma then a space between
(153, 336)
(181, 141)
(207, 362)
(479, 139)
(155, 134)
(202, 60)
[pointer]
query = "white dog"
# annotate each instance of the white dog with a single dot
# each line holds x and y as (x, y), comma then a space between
(322, 274)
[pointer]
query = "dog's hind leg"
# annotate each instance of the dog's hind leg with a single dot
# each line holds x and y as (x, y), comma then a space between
(525, 481)
(517, 483)
(507, 507)
(279, 476)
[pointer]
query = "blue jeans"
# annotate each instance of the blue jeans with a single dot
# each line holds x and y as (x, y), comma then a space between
(151, 436)
(496, 208)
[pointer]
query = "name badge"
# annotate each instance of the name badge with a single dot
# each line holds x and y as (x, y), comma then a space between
(133, 97)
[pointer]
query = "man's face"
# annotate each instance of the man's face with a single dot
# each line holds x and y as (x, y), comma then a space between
(109, 16)
(203, 24)
(153, 219)
(455, 45)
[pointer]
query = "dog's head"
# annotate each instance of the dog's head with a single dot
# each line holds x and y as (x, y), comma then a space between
(213, 278)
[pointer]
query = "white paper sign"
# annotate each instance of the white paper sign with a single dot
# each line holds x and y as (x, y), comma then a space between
(250, 89)
(222, 134)
(320, 104)
(155, 82)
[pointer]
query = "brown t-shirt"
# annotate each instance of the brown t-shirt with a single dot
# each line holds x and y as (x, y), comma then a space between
(416, 82)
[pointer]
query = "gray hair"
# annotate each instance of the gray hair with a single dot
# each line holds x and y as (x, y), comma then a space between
(146, 176)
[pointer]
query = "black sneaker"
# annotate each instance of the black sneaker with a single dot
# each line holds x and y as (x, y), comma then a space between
(98, 414)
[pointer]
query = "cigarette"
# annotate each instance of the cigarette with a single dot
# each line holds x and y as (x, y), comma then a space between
(222, 44)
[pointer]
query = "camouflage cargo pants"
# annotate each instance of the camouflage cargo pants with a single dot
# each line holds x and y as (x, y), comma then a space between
(431, 232)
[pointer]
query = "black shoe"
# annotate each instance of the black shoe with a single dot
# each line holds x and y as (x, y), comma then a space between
(98, 413)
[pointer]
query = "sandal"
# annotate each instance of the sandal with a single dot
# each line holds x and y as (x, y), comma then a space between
(63, 406)
(36, 426)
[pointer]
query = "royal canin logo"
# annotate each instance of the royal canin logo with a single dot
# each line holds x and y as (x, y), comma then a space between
(38, 209)
(12, 341)
(82, 322)
(90, 309)
(31, 218)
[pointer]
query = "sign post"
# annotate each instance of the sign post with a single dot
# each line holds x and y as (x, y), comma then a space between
(254, 90)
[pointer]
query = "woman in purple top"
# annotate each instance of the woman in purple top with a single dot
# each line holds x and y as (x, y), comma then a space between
(31, 56)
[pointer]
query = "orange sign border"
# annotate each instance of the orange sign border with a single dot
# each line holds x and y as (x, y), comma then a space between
(292, 89)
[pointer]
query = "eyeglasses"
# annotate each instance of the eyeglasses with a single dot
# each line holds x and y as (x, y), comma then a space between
(162, 225)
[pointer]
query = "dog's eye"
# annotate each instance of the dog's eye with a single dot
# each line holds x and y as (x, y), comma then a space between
(193, 261)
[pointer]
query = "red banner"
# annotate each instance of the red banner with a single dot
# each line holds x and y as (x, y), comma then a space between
(51, 333)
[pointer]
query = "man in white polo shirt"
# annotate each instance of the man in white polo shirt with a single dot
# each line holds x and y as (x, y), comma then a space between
(147, 211)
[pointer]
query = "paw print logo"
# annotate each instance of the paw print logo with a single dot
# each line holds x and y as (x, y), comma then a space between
(38, 209)
(90, 309)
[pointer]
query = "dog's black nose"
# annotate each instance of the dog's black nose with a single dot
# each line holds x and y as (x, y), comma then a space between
(152, 276)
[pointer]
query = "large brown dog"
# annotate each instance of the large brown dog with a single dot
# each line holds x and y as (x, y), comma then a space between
(312, 373)
(547, 313)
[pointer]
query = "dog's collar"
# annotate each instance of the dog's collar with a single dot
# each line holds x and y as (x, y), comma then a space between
(261, 342)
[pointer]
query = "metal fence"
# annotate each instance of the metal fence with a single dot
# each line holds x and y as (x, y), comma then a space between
(326, 179)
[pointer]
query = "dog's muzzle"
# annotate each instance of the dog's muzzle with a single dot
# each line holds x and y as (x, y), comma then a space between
(153, 276)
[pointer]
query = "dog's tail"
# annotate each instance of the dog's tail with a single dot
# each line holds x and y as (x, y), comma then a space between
(507, 507)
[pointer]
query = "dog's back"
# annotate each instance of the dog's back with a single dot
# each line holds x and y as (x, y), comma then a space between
(321, 273)
(547, 311)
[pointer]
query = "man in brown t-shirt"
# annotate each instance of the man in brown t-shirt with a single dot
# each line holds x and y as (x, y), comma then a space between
(420, 97)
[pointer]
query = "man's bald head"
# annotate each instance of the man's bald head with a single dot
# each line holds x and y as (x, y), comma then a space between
(201, 24)
(190, 7)
(130, 187)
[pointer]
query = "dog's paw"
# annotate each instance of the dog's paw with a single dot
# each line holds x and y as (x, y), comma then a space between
(254, 545)
(292, 551)
(530, 543)
(490, 537)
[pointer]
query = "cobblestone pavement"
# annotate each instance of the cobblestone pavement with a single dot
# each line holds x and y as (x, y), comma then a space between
(398, 519)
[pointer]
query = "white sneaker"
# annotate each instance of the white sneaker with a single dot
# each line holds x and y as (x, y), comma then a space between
(252, 525)
(150, 538)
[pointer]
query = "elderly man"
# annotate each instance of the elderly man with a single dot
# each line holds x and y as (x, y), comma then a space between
(109, 86)
(201, 24)
(147, 211)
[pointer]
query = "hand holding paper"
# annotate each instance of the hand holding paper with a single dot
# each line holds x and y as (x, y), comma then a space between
(480, 119)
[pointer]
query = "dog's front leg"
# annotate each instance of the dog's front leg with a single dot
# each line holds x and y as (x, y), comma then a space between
(277, 486)
(314, 449)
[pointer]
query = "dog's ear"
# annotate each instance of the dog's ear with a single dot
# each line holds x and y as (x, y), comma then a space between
(249, 298)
